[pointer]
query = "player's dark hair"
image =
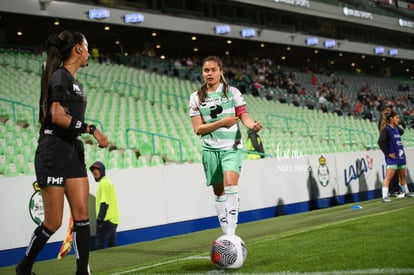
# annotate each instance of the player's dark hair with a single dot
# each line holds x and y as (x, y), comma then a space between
(384, 118)
(388, 117)
(202, 92)
(59, 48)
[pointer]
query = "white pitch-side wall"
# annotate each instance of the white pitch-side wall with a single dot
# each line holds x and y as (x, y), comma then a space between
(161, 195)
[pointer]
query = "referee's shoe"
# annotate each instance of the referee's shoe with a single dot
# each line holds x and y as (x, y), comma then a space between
(20, 270)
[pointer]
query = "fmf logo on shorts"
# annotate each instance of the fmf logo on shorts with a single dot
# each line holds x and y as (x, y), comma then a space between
(55, 180)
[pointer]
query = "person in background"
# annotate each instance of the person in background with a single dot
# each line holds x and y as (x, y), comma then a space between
(254, 144)
(59, 158)
(391, 145)
(95, 54)
(107, 213)
(215, 109)
(394, 186)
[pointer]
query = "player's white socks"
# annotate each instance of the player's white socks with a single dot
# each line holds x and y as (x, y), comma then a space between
(220, 205)
(232, 207)
(405, 189)
(384, 192)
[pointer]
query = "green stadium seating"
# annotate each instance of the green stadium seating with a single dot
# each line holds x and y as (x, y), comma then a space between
(121, 97)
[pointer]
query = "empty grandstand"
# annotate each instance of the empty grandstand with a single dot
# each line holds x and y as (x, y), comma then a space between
(131, 105)
(135, 81)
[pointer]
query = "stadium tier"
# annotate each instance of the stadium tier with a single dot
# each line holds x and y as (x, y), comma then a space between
(145, 116)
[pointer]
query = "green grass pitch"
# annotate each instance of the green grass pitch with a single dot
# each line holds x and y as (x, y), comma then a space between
(377, 239)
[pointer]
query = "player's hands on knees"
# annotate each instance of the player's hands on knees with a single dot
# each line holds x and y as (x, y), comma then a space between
(229, 121)
(100, 138)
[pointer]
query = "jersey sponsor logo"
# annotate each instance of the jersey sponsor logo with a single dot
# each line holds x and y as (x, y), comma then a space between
(77, 90)
(55, 180)
(215, 111)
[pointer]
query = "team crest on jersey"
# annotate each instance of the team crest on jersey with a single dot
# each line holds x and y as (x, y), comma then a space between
(36, 209)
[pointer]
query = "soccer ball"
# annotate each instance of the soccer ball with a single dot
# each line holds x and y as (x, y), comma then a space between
(228, 251)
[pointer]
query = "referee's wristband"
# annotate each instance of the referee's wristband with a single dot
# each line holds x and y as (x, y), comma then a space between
(77, 126)
(92, 129)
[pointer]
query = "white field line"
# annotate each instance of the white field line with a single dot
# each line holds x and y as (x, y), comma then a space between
(195, 257)
(336, 272)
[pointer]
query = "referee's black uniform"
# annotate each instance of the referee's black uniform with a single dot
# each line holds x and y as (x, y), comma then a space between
(60, 152)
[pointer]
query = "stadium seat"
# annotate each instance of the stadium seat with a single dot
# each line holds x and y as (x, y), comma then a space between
(29, 168)
(156, 160)
(11, 170)
(143, 161)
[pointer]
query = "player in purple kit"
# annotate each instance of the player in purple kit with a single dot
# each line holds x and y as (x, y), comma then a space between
(395, 158)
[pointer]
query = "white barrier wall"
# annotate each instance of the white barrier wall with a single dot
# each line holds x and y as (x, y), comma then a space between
(162, 195)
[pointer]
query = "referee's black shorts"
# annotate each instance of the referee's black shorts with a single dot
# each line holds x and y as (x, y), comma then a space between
(57, 159)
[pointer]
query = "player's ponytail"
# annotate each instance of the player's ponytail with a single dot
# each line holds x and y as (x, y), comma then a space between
(384, 118)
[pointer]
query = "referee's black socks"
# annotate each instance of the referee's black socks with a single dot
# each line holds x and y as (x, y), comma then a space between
(81, 240)
(37, 242)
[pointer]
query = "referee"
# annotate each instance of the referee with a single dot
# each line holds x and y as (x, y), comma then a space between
(59, 160)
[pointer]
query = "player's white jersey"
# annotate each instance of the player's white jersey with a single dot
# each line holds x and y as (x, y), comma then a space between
(215, 107)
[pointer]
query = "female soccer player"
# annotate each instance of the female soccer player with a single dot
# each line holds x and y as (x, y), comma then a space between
(59, 160)
(395, 159)
(215, 109)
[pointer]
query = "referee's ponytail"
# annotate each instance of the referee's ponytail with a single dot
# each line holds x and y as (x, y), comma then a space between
(58, 48)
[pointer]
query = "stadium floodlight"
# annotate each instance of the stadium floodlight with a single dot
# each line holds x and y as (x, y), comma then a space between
(222, 29)
(358, 13)
(392, 52)
(133, 18)
(378, 50)
(405, 23)
(98, 14)
(301, 3)
(247, 33)
(329, 44)
(311, 41)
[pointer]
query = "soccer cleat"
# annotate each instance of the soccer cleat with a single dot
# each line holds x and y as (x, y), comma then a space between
(400, 195)
(409, 195)
(386, 199)
(20, 270)
(396, 194)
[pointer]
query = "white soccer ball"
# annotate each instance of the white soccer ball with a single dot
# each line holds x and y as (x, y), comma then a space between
(228, 251)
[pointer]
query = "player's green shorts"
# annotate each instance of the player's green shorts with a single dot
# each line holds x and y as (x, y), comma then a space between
(217, 162)
(397, 166)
